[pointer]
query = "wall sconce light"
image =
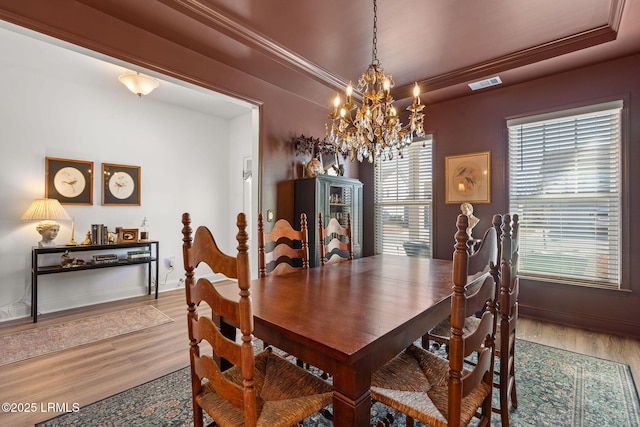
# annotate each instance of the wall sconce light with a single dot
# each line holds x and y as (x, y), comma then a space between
(47, 211)
(139, 84)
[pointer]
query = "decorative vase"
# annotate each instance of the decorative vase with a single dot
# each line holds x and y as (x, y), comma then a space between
(314, 168)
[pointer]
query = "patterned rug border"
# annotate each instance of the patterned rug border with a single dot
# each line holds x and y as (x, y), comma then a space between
(377, 410)
(625, 365)
(30, 343)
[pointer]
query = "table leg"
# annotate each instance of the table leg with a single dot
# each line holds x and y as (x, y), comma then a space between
(34, 286)
(349, 411)
(150, 280)
(157, 268)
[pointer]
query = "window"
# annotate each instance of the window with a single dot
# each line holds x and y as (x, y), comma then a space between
(565, 183)
(403, 202)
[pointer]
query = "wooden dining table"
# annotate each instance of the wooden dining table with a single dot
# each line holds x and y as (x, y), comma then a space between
(349, 319)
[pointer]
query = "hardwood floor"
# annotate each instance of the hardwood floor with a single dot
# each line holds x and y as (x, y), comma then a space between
(92, 372)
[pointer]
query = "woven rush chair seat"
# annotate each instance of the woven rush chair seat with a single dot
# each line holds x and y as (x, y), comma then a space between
(416, 383)
(285, 393)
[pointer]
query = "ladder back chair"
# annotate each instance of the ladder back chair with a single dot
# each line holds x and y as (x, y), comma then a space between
(283, 249)
(258, 390)
(441, 392)
(507, 308)
(334, 241)
(440, 333)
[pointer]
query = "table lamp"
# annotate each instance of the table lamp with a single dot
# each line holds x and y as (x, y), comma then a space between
(47, 211)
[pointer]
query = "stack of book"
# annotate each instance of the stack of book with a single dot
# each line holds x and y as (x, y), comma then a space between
(105, 259)
(99, 234)
(141, 255)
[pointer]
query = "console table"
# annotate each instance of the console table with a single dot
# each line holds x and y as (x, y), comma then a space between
(38, 270)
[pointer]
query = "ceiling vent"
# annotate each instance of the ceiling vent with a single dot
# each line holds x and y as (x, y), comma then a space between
(491, 81)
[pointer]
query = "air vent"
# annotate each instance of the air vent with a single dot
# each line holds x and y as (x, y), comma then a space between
(491, 81)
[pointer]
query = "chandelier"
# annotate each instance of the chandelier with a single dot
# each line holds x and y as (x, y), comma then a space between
(373, 129)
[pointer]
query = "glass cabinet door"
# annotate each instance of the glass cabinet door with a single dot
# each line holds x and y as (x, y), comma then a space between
(340, 202)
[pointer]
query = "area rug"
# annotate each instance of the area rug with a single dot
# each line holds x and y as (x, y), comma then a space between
(44, 340)
(555, 388)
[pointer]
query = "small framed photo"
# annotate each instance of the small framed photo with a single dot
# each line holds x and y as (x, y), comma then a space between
(129, 235)
(468, 178)
(69, 181)
(120, 185)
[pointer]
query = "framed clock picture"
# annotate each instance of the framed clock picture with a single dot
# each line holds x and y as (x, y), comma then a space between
(120, 185)
(69, 181)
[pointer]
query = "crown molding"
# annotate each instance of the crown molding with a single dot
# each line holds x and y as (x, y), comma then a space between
(240, 32)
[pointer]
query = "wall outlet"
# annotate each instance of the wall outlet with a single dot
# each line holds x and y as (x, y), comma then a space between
(171, 261)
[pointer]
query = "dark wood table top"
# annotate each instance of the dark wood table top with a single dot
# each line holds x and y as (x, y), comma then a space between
(348, 319)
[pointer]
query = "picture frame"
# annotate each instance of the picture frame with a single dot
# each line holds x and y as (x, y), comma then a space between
(468, 178)
(128, 235)
(120, 185)
(69, 181)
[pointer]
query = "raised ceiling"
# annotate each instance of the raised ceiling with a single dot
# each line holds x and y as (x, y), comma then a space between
(443, 45)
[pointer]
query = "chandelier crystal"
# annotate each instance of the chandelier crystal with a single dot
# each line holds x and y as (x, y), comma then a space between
(373, 129)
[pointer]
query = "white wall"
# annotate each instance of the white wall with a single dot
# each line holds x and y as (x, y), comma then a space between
(184, 157)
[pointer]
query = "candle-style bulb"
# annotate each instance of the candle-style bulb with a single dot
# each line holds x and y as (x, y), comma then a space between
(349, 90)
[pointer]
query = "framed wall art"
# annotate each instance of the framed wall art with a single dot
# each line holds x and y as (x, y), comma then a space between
(120, 185)
(468, 178)
(69, 181)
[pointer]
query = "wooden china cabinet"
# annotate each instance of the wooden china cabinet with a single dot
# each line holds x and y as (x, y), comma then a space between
(335, 197)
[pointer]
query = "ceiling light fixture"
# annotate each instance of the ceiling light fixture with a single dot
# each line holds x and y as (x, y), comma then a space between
(375, 131)
(139, 84)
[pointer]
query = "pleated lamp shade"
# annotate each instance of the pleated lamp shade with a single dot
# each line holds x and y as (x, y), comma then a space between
(41, 209)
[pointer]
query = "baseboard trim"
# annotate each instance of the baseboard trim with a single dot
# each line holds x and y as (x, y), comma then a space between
(583, 320)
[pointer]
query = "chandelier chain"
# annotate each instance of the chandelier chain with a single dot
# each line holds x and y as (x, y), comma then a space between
(374, 59)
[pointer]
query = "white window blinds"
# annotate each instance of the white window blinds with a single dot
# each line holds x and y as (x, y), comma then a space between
(565, 183)
(403, 202)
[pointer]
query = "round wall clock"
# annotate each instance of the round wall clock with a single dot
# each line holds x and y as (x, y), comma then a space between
(69, 182)
(121, 185)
